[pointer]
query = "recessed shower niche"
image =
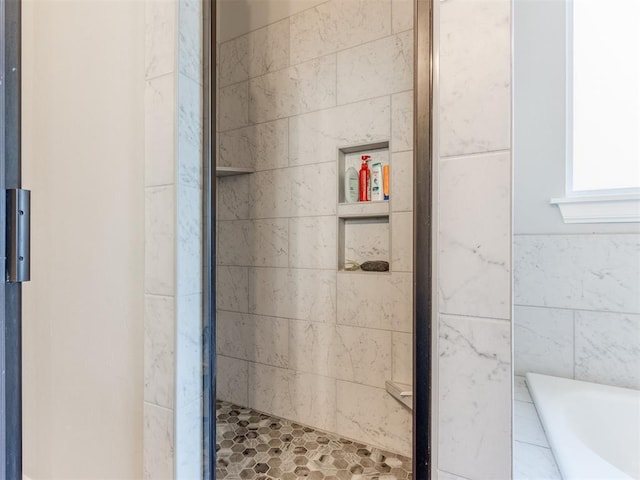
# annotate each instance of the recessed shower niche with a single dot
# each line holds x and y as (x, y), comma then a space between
(364, 229)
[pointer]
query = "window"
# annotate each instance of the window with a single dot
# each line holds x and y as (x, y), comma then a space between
(603, 110)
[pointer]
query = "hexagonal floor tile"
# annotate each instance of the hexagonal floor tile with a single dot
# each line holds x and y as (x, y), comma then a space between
(255, 446)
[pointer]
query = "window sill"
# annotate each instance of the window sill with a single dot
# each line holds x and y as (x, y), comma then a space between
(599, 209)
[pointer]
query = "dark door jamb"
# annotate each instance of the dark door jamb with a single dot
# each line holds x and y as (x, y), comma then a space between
(10, 294)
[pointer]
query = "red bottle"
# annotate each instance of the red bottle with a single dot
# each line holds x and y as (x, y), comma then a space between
(365, 179)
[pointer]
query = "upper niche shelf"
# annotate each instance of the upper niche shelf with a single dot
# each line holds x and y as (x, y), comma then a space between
(228, 171)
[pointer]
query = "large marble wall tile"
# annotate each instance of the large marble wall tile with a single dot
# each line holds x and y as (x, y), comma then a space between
(160, 240)
(302, 397)
(401, 15)
(375, 69)
(608, 348)
(448, 476)
(312, 242)
(291, 293)
(233, 197)
(189, 440)
(190, 39)
(256, 53)
(233, 106)
(366, 239)
(402, 242)
(520, 390)
(587, 272)
(402, 348)
(254, 338)
(337, 25)
(159, 131)
(270, 194)
(270, 390)
(232, 380)
(527, 426)
(475, 236)
(304, 191)
(160, 33)
(292, 91)
(260, 243)
(158, 443)
(262, 147)
(235, 241)
(372, 300)
(384, 421)
(188, 349)
(269, 48)
(533, 462)
(360, 355)
(543, 341)
(233, 61)
(189, 248)
(189, 132)
(270, 246)
(401, 173)
(159, 341)
(314, 33)
(474, 392)
(475, 77)
(232, 288)
(316, 137)
(315, 400)
(402, 122)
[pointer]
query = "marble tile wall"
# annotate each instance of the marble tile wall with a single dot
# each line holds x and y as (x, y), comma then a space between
(577, 311)
(297, 338)
(173, 292)
(474, 240)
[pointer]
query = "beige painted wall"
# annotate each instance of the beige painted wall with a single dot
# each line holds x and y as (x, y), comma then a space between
(83, 157)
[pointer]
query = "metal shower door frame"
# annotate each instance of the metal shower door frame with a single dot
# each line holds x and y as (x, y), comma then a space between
(423, 264)
(11, 293)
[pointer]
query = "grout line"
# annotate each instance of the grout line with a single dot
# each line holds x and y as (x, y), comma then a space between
(572, 309)
(578, 234)
(471, 316)
(378, 97)
(333, 107)
(314, 322)
(532, 444)
(473, 154)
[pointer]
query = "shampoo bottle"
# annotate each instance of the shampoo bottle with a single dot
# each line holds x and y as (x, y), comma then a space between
(351, 185)
(376, 182)
(364, 180)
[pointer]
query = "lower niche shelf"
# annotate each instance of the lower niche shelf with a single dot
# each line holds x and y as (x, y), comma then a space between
(361, 239)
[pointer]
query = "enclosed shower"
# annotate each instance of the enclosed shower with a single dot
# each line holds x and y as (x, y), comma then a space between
(314, 360)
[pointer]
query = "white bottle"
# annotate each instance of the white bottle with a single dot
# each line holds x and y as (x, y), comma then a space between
(377, 192)
(351, 185)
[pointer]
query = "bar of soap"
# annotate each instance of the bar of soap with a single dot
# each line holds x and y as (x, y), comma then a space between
(375, 266)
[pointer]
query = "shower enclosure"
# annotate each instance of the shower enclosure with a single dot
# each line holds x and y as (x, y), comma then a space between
(301, 91)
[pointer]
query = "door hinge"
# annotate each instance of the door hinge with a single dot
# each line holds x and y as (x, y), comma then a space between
(18, 235)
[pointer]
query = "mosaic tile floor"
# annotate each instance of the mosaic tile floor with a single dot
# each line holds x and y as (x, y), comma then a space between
(252, 445)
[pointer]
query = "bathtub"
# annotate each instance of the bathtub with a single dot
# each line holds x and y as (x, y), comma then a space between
(593, 430)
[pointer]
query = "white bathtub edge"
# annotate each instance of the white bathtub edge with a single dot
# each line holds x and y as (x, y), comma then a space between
(574, 459)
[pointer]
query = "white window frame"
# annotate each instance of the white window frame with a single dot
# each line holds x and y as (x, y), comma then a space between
(617, 205)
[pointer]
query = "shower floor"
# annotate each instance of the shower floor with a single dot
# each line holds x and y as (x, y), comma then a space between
(252, 445)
